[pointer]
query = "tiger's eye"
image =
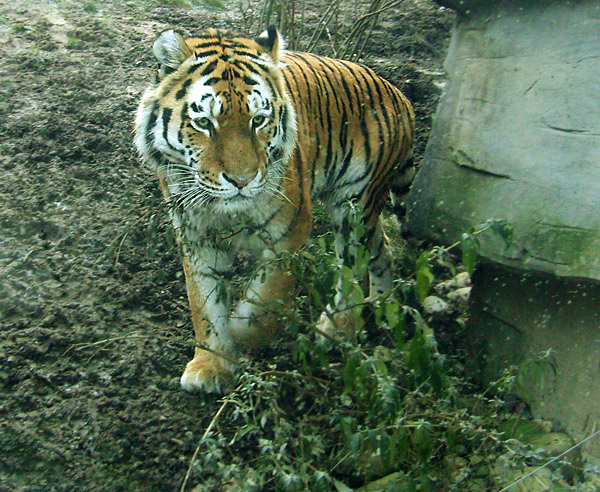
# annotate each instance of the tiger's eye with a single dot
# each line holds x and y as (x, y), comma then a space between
(202, 123)
(258, 120)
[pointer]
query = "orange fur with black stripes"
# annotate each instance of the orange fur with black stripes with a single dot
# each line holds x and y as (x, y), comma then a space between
(243, 136)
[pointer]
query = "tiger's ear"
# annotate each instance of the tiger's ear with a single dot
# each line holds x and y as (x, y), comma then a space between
(272, 42)
(171, 51)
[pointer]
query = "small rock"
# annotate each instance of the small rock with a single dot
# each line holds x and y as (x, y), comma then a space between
(553, 443)
(461, 294)
(445, 286)
(435, 305)
(541, 481)
(459, 281)
(462, 280)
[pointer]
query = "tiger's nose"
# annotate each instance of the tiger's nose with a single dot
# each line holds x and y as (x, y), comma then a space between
(239, 181)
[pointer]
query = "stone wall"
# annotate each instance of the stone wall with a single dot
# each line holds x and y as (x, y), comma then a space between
(515, 319)
(517, 137)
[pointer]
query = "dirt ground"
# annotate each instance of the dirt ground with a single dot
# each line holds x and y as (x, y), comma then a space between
(95, 329)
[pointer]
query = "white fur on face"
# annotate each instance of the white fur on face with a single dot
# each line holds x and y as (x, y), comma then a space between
(259, 99)
(203, 102)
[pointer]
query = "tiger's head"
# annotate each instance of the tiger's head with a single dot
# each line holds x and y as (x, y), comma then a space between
(218, 127)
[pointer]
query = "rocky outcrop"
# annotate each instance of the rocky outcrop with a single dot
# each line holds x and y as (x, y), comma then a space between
(517, 135)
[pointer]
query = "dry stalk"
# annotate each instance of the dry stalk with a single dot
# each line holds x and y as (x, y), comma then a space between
(208, 430)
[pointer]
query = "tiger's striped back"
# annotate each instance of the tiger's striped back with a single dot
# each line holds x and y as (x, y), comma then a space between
(355, 129)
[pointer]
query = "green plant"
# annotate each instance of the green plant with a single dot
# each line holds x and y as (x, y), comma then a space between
(342, 415)
(383, 411)
(469, 245)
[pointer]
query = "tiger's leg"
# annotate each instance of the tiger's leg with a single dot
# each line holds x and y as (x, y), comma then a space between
(211, 369)
(256, 321)
(339, 318)
(380, 262)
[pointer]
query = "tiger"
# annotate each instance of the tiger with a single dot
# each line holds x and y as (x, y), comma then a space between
(243, 136)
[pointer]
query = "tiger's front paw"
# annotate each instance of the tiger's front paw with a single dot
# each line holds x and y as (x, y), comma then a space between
(207, 372)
